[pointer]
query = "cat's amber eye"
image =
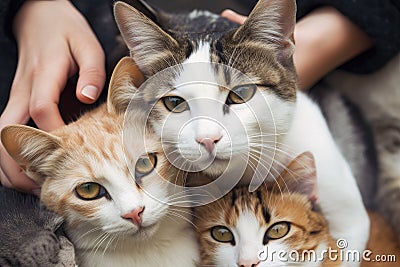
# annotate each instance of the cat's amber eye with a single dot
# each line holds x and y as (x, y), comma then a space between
(277, 231)
(145, 165)
(175, 104)
(90, 191)
(241, 94)
(222, 234)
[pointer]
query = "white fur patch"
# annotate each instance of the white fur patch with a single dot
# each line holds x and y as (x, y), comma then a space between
(199, 13)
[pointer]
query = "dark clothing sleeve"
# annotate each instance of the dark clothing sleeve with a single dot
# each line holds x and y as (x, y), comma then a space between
(8, 48)
(379, 19)
(8, 9)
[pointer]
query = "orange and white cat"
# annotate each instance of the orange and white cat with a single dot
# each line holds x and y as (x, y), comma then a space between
(268, 227)
(108, 180)
(251, 229)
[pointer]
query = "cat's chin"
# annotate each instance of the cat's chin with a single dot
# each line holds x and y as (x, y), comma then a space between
(217, 168)
(144, 232)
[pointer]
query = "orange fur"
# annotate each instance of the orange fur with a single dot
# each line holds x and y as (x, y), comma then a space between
(103, 147)
(382, 241)
(308, 227)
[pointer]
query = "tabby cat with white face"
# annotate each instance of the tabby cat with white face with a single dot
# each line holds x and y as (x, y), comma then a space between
(251, 229)
(110, 190)
(225, 101)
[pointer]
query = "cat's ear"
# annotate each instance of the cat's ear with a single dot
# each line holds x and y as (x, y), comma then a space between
(300, 176)
(148, 10)
(125, 80)
(31, 148)
(271, 22)
(147, 42)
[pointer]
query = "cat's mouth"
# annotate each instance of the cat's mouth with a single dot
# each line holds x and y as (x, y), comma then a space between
(220, 160)
(146, 231)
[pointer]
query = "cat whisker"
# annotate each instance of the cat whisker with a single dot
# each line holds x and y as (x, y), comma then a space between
(189, 201)
(110, 241)
(178, 215)
(89, 232)
(98, 242)
(290, 155)
(258, 135)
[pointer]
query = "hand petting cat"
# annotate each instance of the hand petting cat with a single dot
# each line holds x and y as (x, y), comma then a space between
(316, 55)
(54, 42)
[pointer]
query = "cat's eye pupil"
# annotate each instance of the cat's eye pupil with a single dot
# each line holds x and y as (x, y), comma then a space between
(175, 104)
(222, 234)
(241, 94)
(90, 191)
(277, 231)
(145, 165)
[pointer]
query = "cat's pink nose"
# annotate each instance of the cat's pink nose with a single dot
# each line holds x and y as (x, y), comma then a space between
(208, 142)
(248, 263)
(135, 216)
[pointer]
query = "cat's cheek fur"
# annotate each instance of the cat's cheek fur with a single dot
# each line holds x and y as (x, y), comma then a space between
(238, 129)
(226, 255)
(273, 113)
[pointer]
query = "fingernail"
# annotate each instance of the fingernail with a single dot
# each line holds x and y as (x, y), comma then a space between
(90, 91)
(37, 192)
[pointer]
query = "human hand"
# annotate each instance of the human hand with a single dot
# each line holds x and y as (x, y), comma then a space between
(54, 42)
(325, 39)
(233, 16)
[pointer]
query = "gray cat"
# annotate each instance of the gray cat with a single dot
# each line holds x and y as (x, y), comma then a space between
(31, 235)
(353, 136)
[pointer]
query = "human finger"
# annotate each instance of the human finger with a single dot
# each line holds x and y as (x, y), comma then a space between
(13, 176)
(233, 16)
(47, 86)
(90, 58)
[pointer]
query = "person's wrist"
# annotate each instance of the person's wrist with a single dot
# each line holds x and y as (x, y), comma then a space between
(325, 39)
(23, 15)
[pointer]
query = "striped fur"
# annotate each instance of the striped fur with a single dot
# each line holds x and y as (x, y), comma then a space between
(248, 216)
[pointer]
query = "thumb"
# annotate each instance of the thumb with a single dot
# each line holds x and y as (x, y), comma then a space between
(233, 16)
(91, 62)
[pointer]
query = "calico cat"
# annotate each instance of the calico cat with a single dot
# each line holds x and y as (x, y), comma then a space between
(237, 229)
(108, 184)
(31, 235)
(225, 102)
(244, 229)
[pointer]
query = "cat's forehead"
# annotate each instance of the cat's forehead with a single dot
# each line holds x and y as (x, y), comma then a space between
(267, 207)
(200, 76)
(108, 136)
(214, 67)
(137, 137)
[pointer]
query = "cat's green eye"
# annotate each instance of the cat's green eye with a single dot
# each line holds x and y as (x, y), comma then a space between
(222, 234)
(277, 231)
(241, 94)
(175, 104)
(90, 191)
(145, 165)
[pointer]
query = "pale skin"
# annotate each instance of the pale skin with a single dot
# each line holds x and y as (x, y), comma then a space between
(54, 42)
(325, 39)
